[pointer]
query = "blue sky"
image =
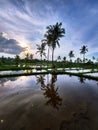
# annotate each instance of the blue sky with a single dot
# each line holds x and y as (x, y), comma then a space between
(23, 24)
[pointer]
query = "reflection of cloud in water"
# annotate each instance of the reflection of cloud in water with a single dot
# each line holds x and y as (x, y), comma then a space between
(4, 80)
(23, 81)
(18, 85)
(79, 109)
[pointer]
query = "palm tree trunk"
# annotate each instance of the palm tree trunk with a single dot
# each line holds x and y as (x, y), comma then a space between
(83, 58)
(41, 61)
(48, 54)
(48, 57)
(52, 56)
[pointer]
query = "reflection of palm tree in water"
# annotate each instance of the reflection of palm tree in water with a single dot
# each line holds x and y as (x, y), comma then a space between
(41, 80)
(82, 80)
(50, 91)
(52, 95)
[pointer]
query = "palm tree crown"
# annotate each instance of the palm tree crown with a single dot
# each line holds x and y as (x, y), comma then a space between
(71, 55)
(83, 51)
(41, 50)
(53, 35)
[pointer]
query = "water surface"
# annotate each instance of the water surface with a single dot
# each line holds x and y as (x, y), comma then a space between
(48, 102)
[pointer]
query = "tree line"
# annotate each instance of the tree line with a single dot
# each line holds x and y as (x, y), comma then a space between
(49, 42)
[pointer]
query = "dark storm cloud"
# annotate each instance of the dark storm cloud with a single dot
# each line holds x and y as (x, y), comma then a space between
(10, 46)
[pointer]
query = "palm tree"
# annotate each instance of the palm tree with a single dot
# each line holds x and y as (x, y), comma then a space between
(93, 58)
(41, 50)
(83, 51)
(78, 60)
(59, 58)
(17, 59)
(53, 35)
(64, 59)
(26, 58)
(47, 41)
(31, 56)
(71, 55)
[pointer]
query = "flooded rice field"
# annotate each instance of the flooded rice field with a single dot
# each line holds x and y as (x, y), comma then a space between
(48, 102)
(71, 70)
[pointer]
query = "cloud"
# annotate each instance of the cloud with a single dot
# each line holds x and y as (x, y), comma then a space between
(26, 21)
(10, 46)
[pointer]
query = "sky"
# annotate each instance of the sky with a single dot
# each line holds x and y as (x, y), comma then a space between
(23, 25)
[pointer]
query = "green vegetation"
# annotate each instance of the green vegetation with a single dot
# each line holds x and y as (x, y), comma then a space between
(50, 41)
(51, 72)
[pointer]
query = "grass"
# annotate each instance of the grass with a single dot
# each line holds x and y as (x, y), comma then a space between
(57, 64)
(51, 72)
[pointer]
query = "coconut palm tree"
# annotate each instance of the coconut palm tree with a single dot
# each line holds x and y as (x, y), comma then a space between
(17, 59)
(59, 58)
(93, 58)
(31, 56)
(78, 60)
(53, 35)
(83, 51)
(64, 58)
(47, 41)
(26, 58)
(41, 50)
(71, 55)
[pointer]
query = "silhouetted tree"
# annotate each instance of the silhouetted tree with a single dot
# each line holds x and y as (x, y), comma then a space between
(31, 56)
(64, 59)
(59, 58)
(41, 50)
(78, 60)
(53, 34)
(71, 55)
(17, 59)
(47, 41)
(93, 58)
(26, 57)
(83, 51)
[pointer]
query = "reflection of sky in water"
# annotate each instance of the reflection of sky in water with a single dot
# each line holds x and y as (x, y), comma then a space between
(77, 71)
(92, 74)
(71, 83)
(19, 81)
(12, 72)
(30, 81)
(73, 70)
(21, 71)
(79, 101)
(11, 85)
